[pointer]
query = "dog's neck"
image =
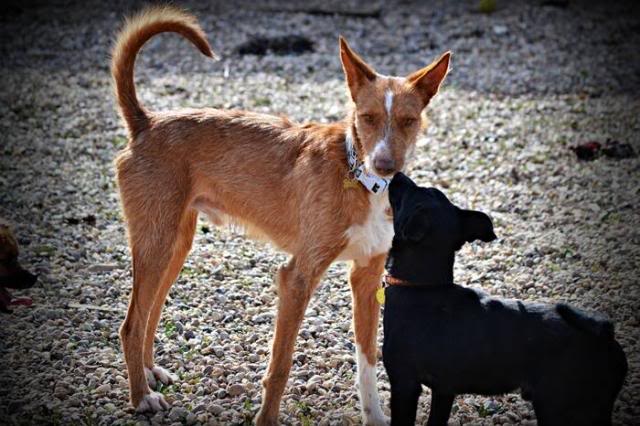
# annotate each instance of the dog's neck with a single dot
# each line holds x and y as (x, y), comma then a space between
(420, 267)
(374, 183)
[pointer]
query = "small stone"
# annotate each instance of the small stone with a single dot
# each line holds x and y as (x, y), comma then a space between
(60, 391)
(216, 409)
(74, 401)
(235, 389)
(177, 413)
(100, 268)
(500, 30)
(262, 318)
(102, 389)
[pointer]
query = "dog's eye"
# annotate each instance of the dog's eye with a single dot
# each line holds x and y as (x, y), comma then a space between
(408, 121)
(368, 118)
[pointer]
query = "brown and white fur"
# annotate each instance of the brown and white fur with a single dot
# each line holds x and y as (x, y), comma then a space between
(280, 180)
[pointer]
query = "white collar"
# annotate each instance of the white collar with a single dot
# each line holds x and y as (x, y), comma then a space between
(374, 183)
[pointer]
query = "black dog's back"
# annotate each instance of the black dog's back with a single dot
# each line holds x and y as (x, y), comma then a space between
(459, 340)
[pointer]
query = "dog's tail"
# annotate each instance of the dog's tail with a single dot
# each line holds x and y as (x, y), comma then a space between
(136, 31)
(596, 325)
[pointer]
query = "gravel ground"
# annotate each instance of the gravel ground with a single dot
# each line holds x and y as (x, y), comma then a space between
(528, 81)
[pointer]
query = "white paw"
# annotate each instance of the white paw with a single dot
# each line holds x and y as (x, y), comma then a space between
(152, 402)
(377, 419)
(156, 374)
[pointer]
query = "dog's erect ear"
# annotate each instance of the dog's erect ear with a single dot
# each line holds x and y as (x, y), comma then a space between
(8, 244)
(427, 81)
(477, 226)
(414, 226)
(356, 70)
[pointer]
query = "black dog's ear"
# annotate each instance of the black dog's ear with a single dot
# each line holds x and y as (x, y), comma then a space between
(477, 226)
(414, 226)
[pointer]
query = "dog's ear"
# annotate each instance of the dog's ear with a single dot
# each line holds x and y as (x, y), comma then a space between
(427, 80)
(414, 226)
(8, 244)
(477, 226)
(356, 70)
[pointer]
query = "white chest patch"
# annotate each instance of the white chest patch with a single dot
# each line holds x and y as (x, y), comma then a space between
(372, 237)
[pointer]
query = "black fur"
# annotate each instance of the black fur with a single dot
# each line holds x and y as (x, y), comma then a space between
(459, 340)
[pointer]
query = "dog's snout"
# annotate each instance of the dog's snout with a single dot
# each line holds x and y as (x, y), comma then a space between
(31, 279)
(19, 280)
(384, 165)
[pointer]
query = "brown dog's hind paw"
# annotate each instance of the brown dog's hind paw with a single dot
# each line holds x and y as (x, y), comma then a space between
(158, 374)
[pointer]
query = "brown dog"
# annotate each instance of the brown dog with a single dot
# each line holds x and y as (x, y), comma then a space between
(293, 184)
(12, 274)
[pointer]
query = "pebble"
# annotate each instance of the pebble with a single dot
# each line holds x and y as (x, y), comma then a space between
(216, 409)
(177, 413)
(102, 267)
(236, 389)
(102, 389)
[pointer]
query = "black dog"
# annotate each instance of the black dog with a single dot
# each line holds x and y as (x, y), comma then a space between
(458, 340)
(12, 275)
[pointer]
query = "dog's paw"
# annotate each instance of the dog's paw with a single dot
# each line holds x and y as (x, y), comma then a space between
(379, 419)
(156, 374)
(152, 402)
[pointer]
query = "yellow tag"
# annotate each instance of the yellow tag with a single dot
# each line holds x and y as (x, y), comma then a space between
(349, 183)
(380, 295)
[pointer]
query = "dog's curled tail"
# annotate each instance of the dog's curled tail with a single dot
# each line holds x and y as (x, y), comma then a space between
(595, 325)
(136, 31)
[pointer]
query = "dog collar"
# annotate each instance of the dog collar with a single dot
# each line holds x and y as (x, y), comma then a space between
(388, 280)
(357, 170)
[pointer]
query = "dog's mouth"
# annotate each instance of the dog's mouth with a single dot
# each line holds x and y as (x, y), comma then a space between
(7, 300)
(20, 280)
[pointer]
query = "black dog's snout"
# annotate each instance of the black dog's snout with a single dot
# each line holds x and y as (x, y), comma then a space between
(19, 280)
(31, 279)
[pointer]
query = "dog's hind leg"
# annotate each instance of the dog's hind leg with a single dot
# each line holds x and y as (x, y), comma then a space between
(153, 233)
(440, 408)
(296, 282)
(180, 252)
(365, 281)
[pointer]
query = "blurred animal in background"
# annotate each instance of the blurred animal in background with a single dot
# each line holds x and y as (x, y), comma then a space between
(12, 274)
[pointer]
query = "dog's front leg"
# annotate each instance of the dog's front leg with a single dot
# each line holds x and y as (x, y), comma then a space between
(296, 283)
(365, 280)
(404, 401)
(441, 404)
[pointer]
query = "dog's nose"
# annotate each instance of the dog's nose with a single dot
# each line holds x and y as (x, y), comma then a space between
(32, 279)
(384, 166)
